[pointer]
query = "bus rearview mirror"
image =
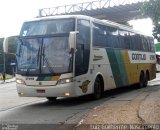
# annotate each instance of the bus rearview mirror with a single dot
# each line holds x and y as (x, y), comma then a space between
(72, 40)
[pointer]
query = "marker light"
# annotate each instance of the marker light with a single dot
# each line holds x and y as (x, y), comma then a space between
(67, 94)
(20, 94)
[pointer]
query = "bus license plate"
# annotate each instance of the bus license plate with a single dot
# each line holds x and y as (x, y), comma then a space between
(40, 91)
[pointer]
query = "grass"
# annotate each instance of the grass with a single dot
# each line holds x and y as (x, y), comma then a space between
(7, 76)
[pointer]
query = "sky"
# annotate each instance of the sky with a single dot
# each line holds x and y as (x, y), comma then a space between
(14, 12)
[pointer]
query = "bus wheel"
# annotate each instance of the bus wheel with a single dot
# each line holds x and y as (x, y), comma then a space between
(142, 80)
(51, 99)
(146, 80)
(98, 91)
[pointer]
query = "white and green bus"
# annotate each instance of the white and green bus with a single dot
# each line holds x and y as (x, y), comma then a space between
(70, 56)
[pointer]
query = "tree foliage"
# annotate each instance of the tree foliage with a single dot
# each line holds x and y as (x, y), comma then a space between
(12, 44)
(152, 10)
(1, 55)
(1, 45)
(10, 57)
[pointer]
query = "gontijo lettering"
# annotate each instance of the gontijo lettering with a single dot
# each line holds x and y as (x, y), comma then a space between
(152, 57)
(138, 56)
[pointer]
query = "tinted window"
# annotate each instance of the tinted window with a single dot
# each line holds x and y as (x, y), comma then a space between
(83, 47)
(112, 37)
(99, 35)
(105, 36)
(124, 38)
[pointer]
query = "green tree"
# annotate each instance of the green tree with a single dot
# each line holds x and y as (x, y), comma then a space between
(12, 44)
(1, 55)
(1, 45)
(10, 56)
(152, 10)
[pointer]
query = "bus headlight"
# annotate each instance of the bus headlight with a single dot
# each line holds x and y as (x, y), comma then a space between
(67, 80)
(20, 81)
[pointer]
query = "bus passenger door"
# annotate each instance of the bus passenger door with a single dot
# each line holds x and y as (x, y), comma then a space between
(82, 55)
(81, 68)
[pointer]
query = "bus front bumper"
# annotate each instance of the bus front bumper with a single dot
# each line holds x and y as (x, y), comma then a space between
(61, 90)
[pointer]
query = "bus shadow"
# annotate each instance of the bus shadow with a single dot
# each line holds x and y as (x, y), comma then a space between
(114, 92)
(87, 99)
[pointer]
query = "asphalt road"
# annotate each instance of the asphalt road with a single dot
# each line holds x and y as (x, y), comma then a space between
(26, 113)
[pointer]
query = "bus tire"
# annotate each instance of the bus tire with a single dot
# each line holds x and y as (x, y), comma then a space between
(98, 88)
(147, 78)
(145, 81)
(51, 99)
(142, 80)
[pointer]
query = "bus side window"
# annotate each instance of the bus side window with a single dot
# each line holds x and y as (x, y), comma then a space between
(144, 43)
(123, 39)
(127, 41)
(114, 35)
(148, 44)
(152, 45)
(137, 43)
(99, 35)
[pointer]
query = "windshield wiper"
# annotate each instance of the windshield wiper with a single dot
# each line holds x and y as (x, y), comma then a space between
(38, 55)
(36, 59)
(45, 59)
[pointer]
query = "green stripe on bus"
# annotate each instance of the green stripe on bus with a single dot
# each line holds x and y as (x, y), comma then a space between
(48, 78)
(44, 78)
(118, 67)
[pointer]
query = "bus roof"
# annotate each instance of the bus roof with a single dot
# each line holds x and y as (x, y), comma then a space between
(58, 17)
(104, 22)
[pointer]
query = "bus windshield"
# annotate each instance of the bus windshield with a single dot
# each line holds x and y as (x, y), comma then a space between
(47, 27)
(44, 56)
(43, 52)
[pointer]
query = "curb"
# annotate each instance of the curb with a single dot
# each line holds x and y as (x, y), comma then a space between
(7, 81)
